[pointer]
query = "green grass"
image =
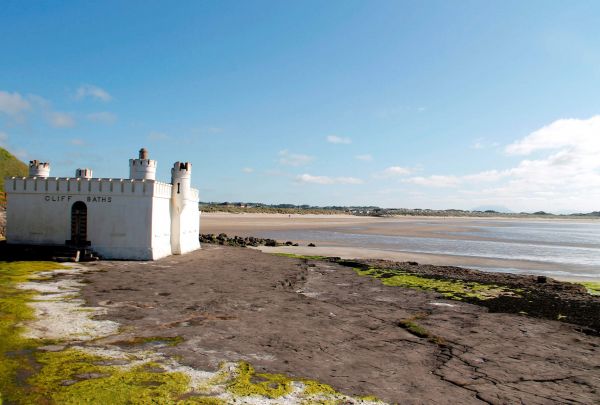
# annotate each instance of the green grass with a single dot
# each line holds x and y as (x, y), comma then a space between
(10, 166)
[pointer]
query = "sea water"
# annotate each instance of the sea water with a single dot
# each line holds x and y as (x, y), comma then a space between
(566, 248)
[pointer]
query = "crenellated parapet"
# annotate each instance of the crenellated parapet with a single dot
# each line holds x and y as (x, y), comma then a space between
(181, 170)
(142, 168)
(39, 169)
(181, 179)
(82, 185)
(83, 173)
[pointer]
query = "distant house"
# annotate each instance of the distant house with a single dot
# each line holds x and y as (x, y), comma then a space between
(137, 218)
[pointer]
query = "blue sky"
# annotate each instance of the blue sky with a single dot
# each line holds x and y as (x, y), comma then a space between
(432, 104)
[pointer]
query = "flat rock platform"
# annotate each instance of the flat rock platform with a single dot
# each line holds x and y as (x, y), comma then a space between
(320, 320)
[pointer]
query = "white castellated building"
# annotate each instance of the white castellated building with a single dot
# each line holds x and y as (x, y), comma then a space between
(137, 218)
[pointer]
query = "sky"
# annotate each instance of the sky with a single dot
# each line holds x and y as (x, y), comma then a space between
(429, 104)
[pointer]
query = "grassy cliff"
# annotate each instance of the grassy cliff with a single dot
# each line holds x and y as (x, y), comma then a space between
(10, 166)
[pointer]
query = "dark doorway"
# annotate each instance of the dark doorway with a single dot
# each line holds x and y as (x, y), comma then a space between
(79, 224)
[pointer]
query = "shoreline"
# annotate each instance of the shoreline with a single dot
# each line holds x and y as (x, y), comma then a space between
(444, 228)
(474, 263)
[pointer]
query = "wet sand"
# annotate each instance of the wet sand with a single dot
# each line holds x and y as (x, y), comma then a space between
(320, 320)
(424, 227)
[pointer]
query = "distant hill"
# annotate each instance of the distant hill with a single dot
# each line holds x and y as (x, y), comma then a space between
(10, 166)
(495, 208)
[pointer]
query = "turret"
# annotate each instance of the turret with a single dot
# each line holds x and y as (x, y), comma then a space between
(181, 179)
(39, 169)
(83, 173)
(142, 168)
(184, 210)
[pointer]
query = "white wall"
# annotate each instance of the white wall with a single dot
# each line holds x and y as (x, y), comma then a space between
(126, 219)
(189, 224)
(118, 221)
(185, 220)
(161, 222)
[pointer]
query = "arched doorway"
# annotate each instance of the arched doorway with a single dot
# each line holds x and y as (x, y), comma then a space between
(79, 224)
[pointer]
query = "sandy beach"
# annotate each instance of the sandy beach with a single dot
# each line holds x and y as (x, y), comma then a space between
(435, 228)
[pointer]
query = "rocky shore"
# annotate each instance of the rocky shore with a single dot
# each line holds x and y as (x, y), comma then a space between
(368, 328)
(536, 296)
(223, 239)
(228, 325)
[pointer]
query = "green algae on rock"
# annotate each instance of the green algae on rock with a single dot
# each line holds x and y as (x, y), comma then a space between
(75, 377)
(295, 256)
(35, 369)
(15, 350)
(593, 287)
(417, 330)
(248, 382)
(451, 289)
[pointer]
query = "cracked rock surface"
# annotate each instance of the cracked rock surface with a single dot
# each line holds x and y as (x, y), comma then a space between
(322, 321)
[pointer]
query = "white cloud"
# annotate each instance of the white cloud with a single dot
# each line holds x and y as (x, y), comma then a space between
(454, 181)
(394, 171)
(434, 181)
(61, 119)
(338, 139)
(563, 175)
(347, 180)
(477, 145)
(481, 143)
(365, 158)
(95, 92)
(571, 134)
(487, 176)
(294, 159)
(13, 104)
(307, 178)
(248, 170)
(103, 117)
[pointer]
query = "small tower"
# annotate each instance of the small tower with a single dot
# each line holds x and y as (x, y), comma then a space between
(39, 169)
(181, 179)
(184, 210)
(83, 173)
(142, 168)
